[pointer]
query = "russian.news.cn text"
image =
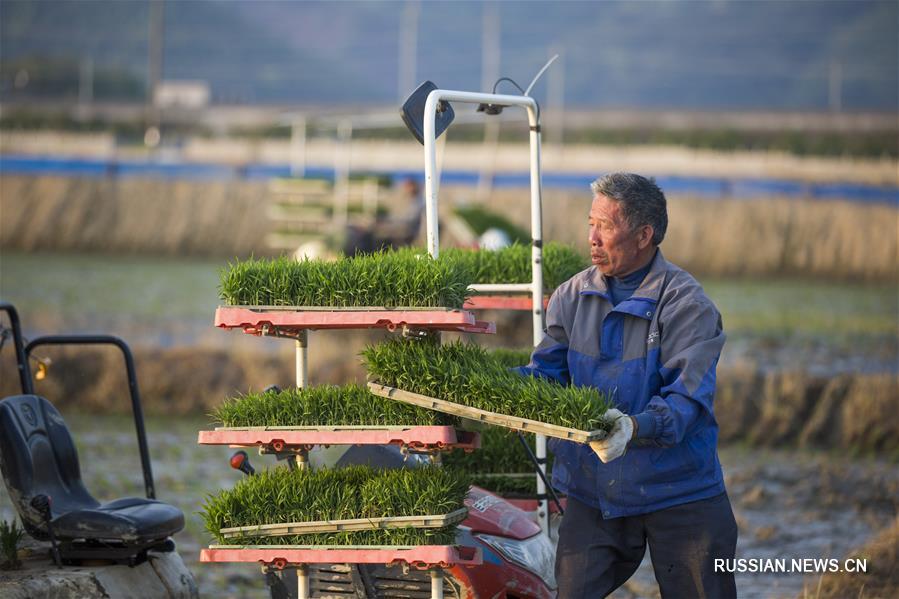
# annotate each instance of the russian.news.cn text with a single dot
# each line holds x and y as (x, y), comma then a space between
(803, 565)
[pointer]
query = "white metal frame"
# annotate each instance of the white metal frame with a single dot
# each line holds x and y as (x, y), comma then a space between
(432, 186)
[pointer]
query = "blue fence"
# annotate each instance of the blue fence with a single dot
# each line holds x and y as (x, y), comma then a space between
(712, 187)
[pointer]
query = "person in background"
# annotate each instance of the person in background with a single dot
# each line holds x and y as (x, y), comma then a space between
(641, 330)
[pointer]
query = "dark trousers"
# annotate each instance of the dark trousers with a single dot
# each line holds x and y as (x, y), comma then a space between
(595, 556)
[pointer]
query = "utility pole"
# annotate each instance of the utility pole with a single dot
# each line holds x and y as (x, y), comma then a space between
(155, 49)
(835, 86)
(408, 49)
(490, 57)
(85, 87)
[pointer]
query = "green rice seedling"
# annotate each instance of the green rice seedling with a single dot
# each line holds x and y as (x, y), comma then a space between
(10, 537)
(512, 264)
(466, 374)
(281, 495)
(500, 455)
(325, 405)
(510, 358)
(400, 278)
(391, 278)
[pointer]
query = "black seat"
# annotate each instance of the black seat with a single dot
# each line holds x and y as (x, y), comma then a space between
(38, 457)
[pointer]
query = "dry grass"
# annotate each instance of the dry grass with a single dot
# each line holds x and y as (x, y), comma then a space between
(764, 236)
(881, 581)
(174, 217)
(810, 238)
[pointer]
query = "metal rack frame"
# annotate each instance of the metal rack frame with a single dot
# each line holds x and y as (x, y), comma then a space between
(535, 287)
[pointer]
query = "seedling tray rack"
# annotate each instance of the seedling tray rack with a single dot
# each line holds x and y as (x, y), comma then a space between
(279, 556)
(434, 558)
(504, 420)
(295, 322)
(275, 439)
(288, 321)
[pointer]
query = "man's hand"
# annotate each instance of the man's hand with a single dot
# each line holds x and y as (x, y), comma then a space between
(615, 444)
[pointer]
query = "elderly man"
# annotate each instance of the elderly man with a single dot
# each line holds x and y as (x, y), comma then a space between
(640, 329)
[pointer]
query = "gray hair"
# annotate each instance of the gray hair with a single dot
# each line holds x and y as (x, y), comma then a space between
(642, 202)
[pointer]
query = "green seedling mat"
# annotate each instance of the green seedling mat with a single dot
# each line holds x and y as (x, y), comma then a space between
(476, 414)
(325, 526)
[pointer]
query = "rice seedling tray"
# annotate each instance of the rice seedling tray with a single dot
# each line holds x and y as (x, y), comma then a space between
(281, 437)
(419, 557)
(504, 420)
(260, 320)
(324, 526)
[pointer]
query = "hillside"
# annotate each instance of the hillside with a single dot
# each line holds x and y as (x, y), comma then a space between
(701, 55)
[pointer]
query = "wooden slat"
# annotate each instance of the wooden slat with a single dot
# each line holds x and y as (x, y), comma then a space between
(512, 422)
(298, 528)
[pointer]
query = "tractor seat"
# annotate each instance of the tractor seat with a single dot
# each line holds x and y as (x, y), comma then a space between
(38, 457)
(130, 520)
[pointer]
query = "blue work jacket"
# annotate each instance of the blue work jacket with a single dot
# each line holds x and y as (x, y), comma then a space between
(655, 354)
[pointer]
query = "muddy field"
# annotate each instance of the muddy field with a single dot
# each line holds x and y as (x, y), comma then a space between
(788, 503)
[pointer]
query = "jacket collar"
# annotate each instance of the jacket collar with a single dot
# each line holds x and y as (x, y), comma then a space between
(595, 283)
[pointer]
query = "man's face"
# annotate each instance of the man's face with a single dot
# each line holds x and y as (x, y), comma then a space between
(614, 248)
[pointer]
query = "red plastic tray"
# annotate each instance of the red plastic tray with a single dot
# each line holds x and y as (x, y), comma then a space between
(253, 318)
(501, 302)
(416, 437)
(422, 557)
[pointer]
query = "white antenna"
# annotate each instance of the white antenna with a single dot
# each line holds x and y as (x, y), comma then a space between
(546, 66)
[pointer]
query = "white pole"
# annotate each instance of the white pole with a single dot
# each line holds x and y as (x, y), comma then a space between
(301, 358)
(436, 583)
(303, 581)
(431, 172)
(537, 291)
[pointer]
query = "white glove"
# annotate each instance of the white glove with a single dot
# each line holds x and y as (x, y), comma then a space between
(615, 444)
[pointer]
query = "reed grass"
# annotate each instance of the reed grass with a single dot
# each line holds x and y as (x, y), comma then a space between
(281, 495)
(466, 374)
(326, 405)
